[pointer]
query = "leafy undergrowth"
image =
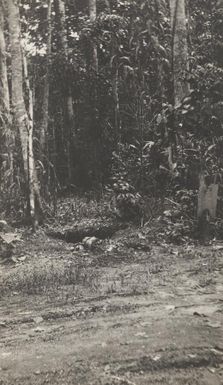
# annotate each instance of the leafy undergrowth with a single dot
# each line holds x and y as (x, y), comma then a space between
(172, 225)
(55, 269)
(75, 209)
(52, 265)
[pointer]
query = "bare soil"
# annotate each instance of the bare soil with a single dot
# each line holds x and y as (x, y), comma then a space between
(114, 315)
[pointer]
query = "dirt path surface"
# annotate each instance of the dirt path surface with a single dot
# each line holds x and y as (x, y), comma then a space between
(111, 317)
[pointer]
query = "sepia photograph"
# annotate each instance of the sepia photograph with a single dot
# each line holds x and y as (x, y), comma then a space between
(111, 192)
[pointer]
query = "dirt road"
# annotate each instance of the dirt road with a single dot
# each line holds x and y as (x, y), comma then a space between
(134, 318)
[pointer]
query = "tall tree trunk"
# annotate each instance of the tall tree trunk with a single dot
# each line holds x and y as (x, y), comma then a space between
(93, 16)
(31, 164)
(179, 49)
(22, 120)
(62, 33)
(179, 60)
(4, 91)
(115, 83)
(5, 118)
(18, 105)
(93, 99)
(46, 92)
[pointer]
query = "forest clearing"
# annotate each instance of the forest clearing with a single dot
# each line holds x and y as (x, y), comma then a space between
(111, 192)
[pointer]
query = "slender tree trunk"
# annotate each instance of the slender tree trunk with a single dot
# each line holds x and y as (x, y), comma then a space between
(5, 117)
(22, 120)
(4, 91)
(115, 83)
(179, 49)
(160, 70)
(35, 198)
(93, 100)
(46, 92)
(179, 60)
(62, 33)
(31, 164)
(93, 16)
(18, 104)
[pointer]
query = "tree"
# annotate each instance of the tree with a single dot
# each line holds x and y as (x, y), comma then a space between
(5, 120)
(179, 50)
(69, 109)
(45, 103)
(179, 60)
(21, 118)
(4, 90)
(93, 16)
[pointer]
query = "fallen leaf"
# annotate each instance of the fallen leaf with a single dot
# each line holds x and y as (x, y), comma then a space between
(3, 324)
(170, 307)
(37, 372)
(218, 247)
(214, 325)
(192, 355)
(38, 320)
(79, 248)
(14, 259)
(22, 259)
(6, 354)
(110, 248)
(39, 330)
(107, 368)
(217, 351)
(10, 237)
(141, 236)
(156, 358)
(141, 334)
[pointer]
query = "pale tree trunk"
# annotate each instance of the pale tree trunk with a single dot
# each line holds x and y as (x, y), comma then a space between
(93, 16)
(4, 91)
(179, 59)
(31, 164)
(34, 191)
(62, 33)
(22, 120)
(46, 91)
(5, 117)
(18, 105)
(179, 49)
